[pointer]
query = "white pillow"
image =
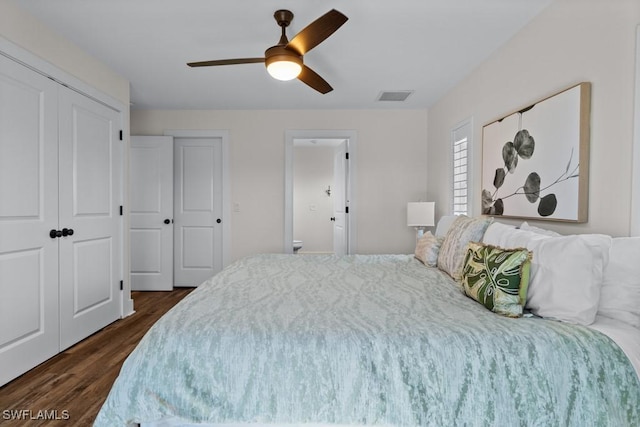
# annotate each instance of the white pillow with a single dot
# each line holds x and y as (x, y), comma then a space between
(620, 294)
(525, 226)
(566, 271)
(444, 223)
(509, 237)
(496, 232)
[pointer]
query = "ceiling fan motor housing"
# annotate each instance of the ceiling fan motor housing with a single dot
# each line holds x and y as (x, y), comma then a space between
(280, 53)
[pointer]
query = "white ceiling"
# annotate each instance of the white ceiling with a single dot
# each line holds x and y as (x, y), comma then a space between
(427, 46)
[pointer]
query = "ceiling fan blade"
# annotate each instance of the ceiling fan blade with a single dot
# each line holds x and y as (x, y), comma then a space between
(312, 79)
(226, 62)
(316, 32)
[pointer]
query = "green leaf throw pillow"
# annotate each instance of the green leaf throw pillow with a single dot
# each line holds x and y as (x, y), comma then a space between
(497, 278)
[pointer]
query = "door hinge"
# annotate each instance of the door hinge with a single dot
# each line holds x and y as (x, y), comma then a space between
(121, 285)
(347, 156)
(121, 209)
(346, 209)
(120, 135)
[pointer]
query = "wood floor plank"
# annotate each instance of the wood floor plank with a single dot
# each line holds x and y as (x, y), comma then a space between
(75, 383)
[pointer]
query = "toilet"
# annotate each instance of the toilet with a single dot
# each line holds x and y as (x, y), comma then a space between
(297, 244)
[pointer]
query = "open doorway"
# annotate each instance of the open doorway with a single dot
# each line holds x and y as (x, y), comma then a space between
(319, 192)
(319, 182)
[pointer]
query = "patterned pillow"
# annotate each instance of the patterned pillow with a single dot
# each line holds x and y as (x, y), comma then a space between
(427, 249)
(462, 231)
(497, 278)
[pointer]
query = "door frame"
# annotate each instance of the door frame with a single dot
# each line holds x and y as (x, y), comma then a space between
(226, 182)
(290, 136)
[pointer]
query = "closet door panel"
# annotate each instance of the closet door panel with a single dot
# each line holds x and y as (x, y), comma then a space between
(90, 263)
(28, 211)
(151, 212)
(92, 164)
(197, 209)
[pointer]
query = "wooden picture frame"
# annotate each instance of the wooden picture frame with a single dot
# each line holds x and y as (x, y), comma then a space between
(535, 161)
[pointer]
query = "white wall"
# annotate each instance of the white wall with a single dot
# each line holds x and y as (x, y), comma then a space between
(312, 207)
(391, 169)
(23, 29)
(570, 42)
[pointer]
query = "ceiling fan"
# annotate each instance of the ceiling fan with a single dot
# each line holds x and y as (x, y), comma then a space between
(284, 60)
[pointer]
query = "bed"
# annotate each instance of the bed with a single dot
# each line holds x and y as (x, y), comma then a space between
(366, 340)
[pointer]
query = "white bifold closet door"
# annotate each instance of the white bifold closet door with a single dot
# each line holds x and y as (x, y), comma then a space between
(60, 226)
(89, 204)
(29, 330)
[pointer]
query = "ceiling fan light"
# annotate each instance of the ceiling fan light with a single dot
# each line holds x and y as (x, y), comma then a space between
(284, 69)
(282, 63)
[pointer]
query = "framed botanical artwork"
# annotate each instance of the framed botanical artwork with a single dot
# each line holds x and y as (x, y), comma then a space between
(535, 161)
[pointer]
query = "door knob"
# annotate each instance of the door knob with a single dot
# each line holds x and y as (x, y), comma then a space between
(333, 218)
(167, 221)
(67, 232)
(218, 220)
(55, 233)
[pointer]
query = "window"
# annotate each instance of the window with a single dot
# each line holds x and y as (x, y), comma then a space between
(461, 145)
(460, 177)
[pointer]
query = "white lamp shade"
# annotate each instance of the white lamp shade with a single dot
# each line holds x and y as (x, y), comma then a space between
(420, 214)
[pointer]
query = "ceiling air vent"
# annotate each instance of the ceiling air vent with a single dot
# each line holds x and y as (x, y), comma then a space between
(395, 95)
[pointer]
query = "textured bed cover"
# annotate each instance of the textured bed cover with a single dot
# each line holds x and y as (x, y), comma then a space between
(626, 336)
(364, 340)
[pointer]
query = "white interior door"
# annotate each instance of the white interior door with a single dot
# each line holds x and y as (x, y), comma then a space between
(340, 200)
(151, 213)
(28, 211)
(89, 194)
(197, 209)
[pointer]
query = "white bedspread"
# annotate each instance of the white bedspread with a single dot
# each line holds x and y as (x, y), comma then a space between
(626, 336)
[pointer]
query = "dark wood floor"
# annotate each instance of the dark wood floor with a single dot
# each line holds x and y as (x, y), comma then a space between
(75, 383)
